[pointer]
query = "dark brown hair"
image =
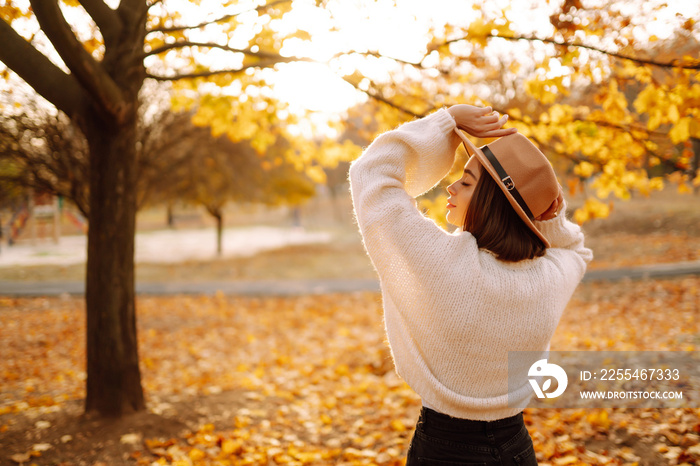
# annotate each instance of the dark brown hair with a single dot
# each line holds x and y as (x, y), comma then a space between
(496, 226)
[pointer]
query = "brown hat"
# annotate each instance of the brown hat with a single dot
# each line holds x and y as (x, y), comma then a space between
(523, 173)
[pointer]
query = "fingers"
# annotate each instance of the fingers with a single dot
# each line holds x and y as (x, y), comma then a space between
(492, 123)
(555, 206)
(551, 212)
(485, 123)
(490, 118)
(496, 133)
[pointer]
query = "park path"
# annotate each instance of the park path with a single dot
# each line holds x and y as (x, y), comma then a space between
(167, 246)
(175, 246)
(304, 287)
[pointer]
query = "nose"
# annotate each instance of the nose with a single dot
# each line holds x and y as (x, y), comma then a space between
(451, 189)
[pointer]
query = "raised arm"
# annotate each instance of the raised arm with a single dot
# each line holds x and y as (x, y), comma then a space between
(565, 235)
(405, 247)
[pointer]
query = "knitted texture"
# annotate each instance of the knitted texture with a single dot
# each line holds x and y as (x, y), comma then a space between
(452, 311)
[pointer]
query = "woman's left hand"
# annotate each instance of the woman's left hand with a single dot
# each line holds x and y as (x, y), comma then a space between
(481, 122)
(554, 209)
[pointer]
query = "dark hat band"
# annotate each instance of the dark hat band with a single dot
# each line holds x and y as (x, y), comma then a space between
(507, 181)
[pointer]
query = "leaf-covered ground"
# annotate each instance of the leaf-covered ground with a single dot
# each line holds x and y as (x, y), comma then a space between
(309, 380)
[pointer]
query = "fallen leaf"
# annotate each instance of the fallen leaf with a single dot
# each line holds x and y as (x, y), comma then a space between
(130, 439)
(20, 457)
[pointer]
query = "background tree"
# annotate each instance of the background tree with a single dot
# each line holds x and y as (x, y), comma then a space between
(93, 71)
(217, 171)
(11, 193)
(47, 153)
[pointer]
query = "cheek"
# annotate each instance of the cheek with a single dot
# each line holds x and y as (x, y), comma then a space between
(461, 210)
(465, 198)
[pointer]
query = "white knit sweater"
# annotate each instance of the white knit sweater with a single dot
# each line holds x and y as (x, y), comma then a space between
(452, 311)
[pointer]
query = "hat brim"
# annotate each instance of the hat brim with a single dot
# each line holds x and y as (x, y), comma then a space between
(470, 147)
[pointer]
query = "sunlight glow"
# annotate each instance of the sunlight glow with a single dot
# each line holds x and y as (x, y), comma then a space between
(312, 86)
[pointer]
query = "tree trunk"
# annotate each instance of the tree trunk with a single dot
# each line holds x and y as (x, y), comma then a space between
(171, 219)
(219, 232)
(695, 163)
(113, 376)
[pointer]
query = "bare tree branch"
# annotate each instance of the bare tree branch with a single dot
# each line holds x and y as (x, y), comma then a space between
(87, 71)
(205, 74)
(371, 53)
(218, 20)
(107, 19)
(186, 43)
(607, 124)
(675, 63)
(59, 88)
(58, 165)
(376, 95)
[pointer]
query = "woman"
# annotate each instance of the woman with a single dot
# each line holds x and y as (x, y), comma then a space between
(456, 303)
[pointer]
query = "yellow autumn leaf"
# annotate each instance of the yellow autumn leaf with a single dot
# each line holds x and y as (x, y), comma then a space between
(568, 459)
(230, 447)
(398, 425)
(515, 112)
(599, 419)
(683, 188)
(584, 169)
(591, 209)
(196, 454)
(680, 131)
(673, 114)
(316, 174)
(656, 183)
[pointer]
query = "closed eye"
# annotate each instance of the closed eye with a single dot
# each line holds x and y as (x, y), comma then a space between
(465, 184)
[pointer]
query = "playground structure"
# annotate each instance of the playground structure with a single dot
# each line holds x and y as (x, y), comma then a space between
(37, 218)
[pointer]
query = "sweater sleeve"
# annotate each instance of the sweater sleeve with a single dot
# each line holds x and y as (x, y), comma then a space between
(567, 237)
(398, 166)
